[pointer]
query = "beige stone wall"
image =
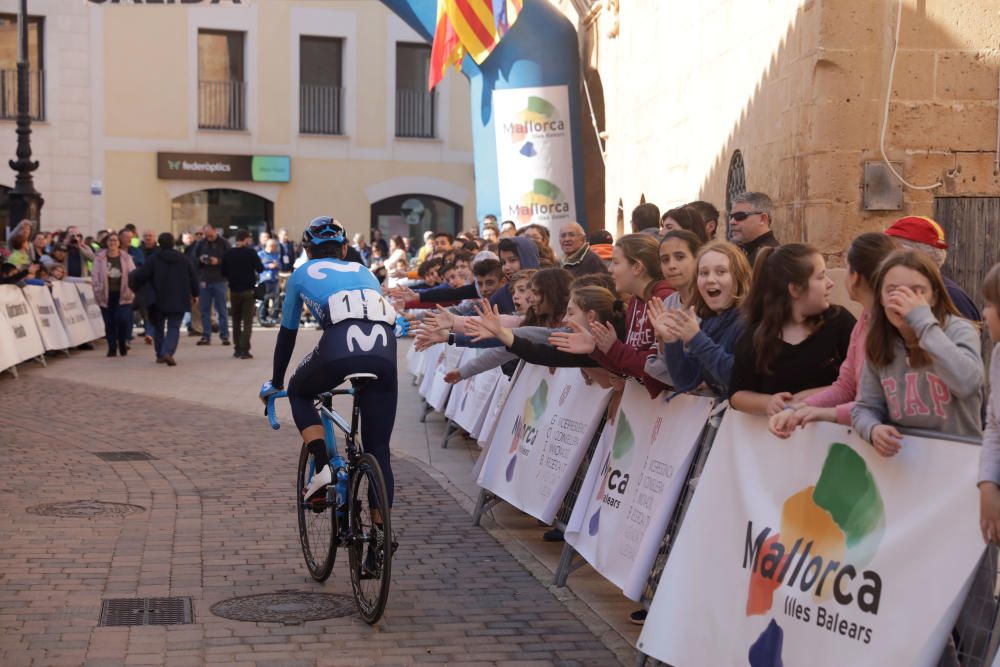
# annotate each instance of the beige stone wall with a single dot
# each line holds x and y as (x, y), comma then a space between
(798, 88)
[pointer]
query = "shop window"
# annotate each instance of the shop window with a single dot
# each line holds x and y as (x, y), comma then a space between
(8, 67)
(321, 91)
(221, 82)
(414, 103)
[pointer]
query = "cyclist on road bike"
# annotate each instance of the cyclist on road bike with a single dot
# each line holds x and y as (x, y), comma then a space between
(359, 336)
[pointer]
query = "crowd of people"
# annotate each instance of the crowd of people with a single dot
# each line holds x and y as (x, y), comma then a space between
(160, 282)
(747, 319)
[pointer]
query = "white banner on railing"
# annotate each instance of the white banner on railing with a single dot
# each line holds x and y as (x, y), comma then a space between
(474, 404)
(437, 394)
(817, 551)
(26, 338)
(633, 482)
(49, 325)
(8, 352)
(541, 436)
(414, 361)
(432, 357)
(89, 303)
(457, 392)
(71, 312)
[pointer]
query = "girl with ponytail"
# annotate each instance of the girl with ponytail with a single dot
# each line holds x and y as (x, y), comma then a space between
(794, 340)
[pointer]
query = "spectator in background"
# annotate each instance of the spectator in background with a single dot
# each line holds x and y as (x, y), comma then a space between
(147, 247)
(271, 261)
(112, 267)
(210, 251)
(58, 272)
(127, 236)
(684, 217)
(709, 215)
(19, 246)
(443, 241)
(362, 248)
(397, 252)
(646, 219)
(927, 236)
(750, 223)
(377, 240)
(39, 246)
(78, 254)
(602, 244)
(286, 248)
(133, 236)
(57, 255)
(491, 230)
(262, 239)
(427, 248)
(578, 258)
(174, 284)
(241, 265)
(508, 229)
(535, 232)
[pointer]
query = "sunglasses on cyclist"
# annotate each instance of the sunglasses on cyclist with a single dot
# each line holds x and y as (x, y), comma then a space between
(740, 216)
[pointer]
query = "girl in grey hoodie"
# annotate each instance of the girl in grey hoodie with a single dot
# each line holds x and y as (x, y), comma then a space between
(923, 370)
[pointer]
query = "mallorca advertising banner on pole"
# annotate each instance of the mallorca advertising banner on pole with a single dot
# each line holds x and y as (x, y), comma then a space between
(541, 437)
(535, 156)
(818, 551)
(633, 482)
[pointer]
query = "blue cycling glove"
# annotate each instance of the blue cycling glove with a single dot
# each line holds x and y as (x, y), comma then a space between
(402, 326)
(267, 390)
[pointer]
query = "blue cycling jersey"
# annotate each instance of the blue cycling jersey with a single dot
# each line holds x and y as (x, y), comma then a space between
(334, 290)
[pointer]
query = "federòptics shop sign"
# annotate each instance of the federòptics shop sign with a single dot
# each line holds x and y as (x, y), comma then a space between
(212, 167)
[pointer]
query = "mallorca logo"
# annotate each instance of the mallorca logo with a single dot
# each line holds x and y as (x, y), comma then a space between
(525, 432)
(614, 474)
(539, 119)
(829, 532)
(545, 199)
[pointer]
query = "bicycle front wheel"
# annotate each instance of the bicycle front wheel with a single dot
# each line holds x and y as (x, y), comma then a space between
(370, 549)
(317, 523)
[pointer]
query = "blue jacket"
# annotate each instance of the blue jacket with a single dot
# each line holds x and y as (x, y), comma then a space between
(269, 275)
(709, 355)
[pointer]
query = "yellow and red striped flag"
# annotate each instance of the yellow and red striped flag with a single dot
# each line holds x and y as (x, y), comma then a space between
(469, 26)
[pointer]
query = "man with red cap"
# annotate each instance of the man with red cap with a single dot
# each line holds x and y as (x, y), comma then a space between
(927, 236)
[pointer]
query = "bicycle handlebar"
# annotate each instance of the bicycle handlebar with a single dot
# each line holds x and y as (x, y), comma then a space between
(269, 409)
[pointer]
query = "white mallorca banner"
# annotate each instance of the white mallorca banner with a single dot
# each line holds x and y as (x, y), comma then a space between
(817, 551)
(541, 436)
(21, 321)
(475, 402)
(89, 302)
(633, 482)
(72, 313)
(437, 394)
(8, 351)
(535, 155)
(49, 325)
(432, 357)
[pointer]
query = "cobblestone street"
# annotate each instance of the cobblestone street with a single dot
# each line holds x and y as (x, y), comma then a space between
(217, 522)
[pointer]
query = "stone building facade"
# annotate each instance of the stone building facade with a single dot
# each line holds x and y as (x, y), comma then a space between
(795, 90)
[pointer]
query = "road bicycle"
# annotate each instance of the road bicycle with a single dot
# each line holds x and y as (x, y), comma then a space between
(345, 515)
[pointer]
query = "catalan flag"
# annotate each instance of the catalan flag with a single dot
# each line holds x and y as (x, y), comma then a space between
(469, 26)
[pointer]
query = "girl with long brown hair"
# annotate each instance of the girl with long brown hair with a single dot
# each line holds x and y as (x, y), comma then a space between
(795, 340)
(924, 368)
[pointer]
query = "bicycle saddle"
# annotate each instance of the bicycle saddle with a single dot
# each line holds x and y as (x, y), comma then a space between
(360, 379)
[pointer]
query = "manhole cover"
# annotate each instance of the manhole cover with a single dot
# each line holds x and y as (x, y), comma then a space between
(84, 509)
(125, 456)
(288, 607)
(145, 611)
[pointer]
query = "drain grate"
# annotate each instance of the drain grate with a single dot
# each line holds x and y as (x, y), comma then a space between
(288, 607)
(145, 611)
(125, 456)
(84, 509)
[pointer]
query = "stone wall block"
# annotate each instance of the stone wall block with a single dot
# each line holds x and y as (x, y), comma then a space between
(967, 75)
(914, 75)
(945, 126)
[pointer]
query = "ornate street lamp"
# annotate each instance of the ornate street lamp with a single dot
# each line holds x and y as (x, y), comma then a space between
(25, 201)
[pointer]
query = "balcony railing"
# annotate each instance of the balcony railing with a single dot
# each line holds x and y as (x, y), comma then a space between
(321, 109)
(414, 113)
(222, 105)
(8, 94)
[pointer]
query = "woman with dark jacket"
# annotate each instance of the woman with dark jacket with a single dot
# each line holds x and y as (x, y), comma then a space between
(170, 285)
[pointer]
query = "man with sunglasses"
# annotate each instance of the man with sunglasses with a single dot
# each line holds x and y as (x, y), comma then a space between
(750, 223)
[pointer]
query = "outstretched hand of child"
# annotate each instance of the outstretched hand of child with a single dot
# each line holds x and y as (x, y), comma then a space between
(428, 336)
(778, 402)
(886, 439)
(453, 376)
(604, 335)
(577, 341)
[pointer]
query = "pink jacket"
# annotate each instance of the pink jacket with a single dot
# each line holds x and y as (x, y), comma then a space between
(99, 276)
(842, 393)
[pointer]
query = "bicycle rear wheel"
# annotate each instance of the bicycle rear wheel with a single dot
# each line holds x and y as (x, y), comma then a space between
(370, 561)
(317, 523)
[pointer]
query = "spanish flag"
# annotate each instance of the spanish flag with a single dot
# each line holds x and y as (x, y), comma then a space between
(468, 26)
